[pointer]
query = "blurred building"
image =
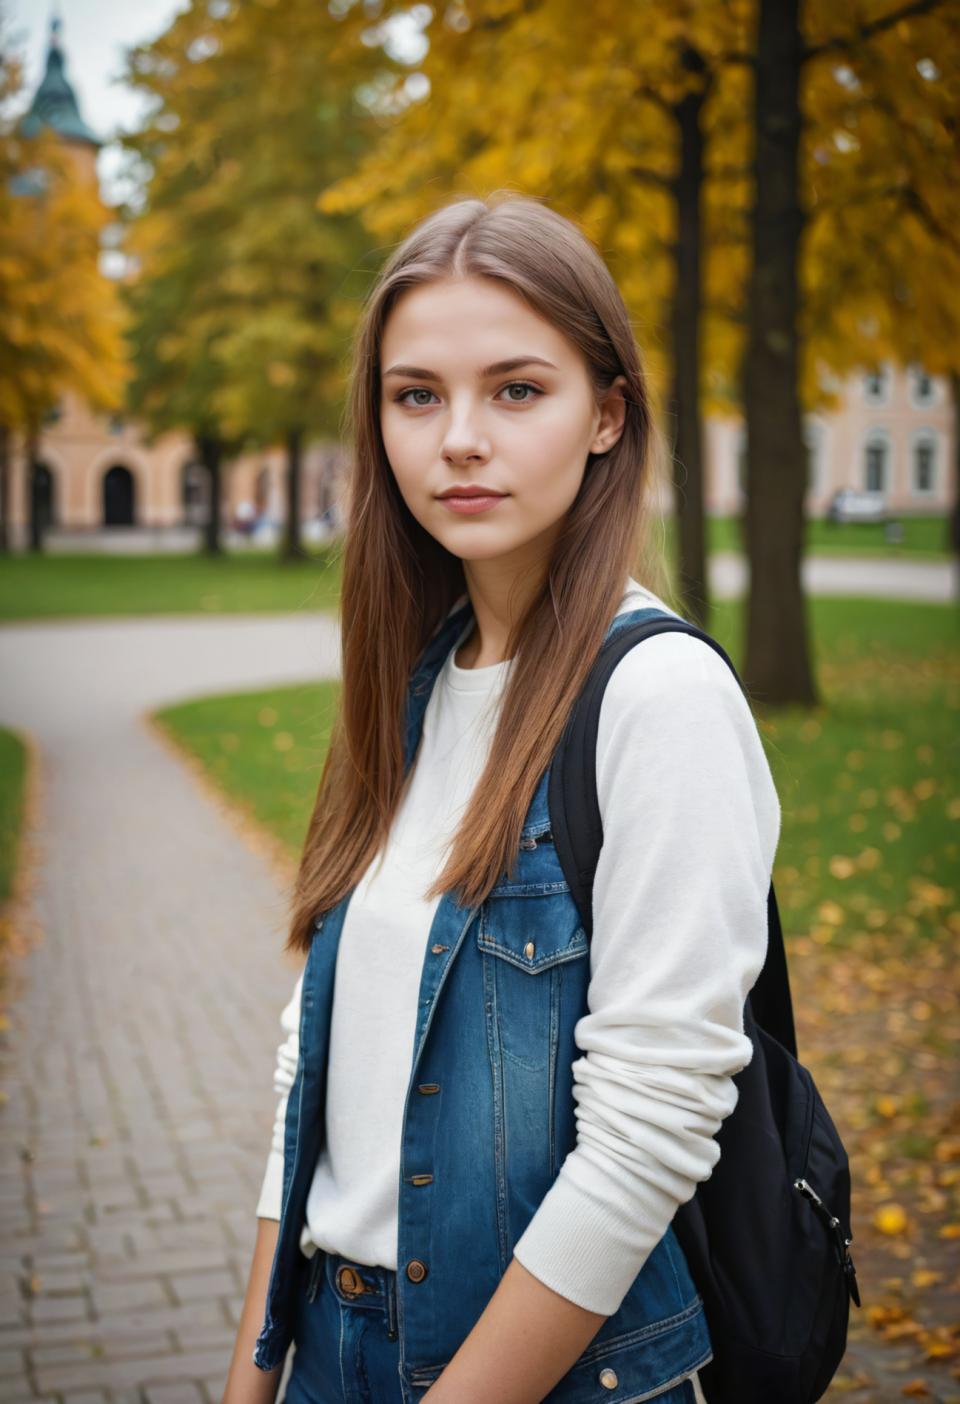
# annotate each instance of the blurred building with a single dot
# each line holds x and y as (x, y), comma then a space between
(892, 437)
(94, 471)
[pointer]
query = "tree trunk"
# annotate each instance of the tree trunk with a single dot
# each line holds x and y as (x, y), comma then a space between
(954, 519)
(292, 549)
(33, 491)
(210, 453)
(4, 489)
(777, 667)
(685, 316)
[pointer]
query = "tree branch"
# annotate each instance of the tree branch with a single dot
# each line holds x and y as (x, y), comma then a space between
(644, 90)
(909, 199)
(650, 177)
(866, 32)
(730, 314)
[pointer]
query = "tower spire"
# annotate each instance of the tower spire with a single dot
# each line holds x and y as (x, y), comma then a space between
(55, 103)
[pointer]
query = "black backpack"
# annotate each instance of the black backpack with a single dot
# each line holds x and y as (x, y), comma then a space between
(767, 1236)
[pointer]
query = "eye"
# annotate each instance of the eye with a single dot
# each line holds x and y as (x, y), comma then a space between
(535, 390)
(414, 390)
(522, 385)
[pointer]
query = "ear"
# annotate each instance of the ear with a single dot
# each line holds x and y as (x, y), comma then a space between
(613, 414)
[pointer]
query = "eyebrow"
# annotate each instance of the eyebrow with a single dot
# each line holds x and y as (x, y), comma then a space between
(498, 368)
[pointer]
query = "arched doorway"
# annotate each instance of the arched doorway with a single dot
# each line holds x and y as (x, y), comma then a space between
(118, 496)
(43, 493)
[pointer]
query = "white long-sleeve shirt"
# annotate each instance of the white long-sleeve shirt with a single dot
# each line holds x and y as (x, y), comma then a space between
(691, 822)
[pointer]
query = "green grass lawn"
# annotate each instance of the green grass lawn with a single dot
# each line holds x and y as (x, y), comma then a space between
(13, 770)
(52, 585)
(923, 538)
(868, 781)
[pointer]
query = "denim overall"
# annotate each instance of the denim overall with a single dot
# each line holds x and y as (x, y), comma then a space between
(488, 1119)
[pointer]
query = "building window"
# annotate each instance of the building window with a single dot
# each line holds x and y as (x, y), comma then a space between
(53, 415)
(876, 464)
(116, 424)
(876, 385)
(922, 387)
(924, 463)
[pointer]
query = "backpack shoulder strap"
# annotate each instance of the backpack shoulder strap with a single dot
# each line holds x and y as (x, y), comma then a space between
(578, 828)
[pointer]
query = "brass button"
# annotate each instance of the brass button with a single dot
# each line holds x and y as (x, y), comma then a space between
(350, 1282)
(529, 949)
(608, 1378)
(428, 1088)
(416, 1270)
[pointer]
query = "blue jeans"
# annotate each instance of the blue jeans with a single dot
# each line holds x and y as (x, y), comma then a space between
(347, 1349)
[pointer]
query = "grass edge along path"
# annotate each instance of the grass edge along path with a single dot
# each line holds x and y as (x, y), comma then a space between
(57, 585)
(20, 810)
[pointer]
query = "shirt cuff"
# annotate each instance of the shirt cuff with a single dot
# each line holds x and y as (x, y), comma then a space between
(578, 1248)
(271, 1191)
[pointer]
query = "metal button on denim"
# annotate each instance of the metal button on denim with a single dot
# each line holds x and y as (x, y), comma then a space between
(608, 1378)
(416, 1270)
(529, 949)
(351, 1284)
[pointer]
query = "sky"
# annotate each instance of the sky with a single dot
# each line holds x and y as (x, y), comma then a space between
(94, 35)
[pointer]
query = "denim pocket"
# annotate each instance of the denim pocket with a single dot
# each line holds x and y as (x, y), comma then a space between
(524, 938)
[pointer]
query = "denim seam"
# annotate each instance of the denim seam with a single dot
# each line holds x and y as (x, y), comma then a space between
(343, 1381)
(643, 1333)
(570, 951)
(671, 1384)
(529, 889)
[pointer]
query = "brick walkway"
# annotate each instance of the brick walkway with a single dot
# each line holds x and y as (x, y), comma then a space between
(143, 1026)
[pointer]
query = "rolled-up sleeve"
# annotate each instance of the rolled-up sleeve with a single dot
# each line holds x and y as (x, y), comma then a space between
(691, 822)
(268, 1205)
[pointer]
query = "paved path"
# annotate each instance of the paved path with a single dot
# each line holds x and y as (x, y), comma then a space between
(138, 1063)
(931, 581)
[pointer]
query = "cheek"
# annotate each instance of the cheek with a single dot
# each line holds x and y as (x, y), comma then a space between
(549, 474)
(405, 454)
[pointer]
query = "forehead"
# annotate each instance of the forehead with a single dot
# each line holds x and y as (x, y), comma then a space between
(468, 322)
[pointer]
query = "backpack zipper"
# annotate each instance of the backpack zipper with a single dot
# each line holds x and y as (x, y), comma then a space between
(842, 1243)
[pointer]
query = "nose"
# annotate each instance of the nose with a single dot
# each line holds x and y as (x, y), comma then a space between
(464, 440)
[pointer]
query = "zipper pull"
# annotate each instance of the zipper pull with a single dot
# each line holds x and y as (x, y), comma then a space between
(842, 1243)
(808, 1192)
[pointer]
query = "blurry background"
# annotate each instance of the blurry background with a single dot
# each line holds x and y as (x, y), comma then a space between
(193, 201)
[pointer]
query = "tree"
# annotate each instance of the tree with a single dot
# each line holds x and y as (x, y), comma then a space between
(797, 67)
(622, 117)
(61, 329)
(882, 248)
(247, 284)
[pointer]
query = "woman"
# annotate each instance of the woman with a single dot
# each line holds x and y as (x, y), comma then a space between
(487, 1123)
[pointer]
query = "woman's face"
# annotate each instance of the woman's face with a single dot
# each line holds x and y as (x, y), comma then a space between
(477, 389)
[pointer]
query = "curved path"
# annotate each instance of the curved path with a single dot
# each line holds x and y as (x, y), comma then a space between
(138, 1063)
(932, 582)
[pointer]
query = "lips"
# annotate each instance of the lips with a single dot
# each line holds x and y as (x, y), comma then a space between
(466, 495)
(470, 504)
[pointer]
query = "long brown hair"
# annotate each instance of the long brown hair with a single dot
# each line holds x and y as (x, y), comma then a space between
(399, 583)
